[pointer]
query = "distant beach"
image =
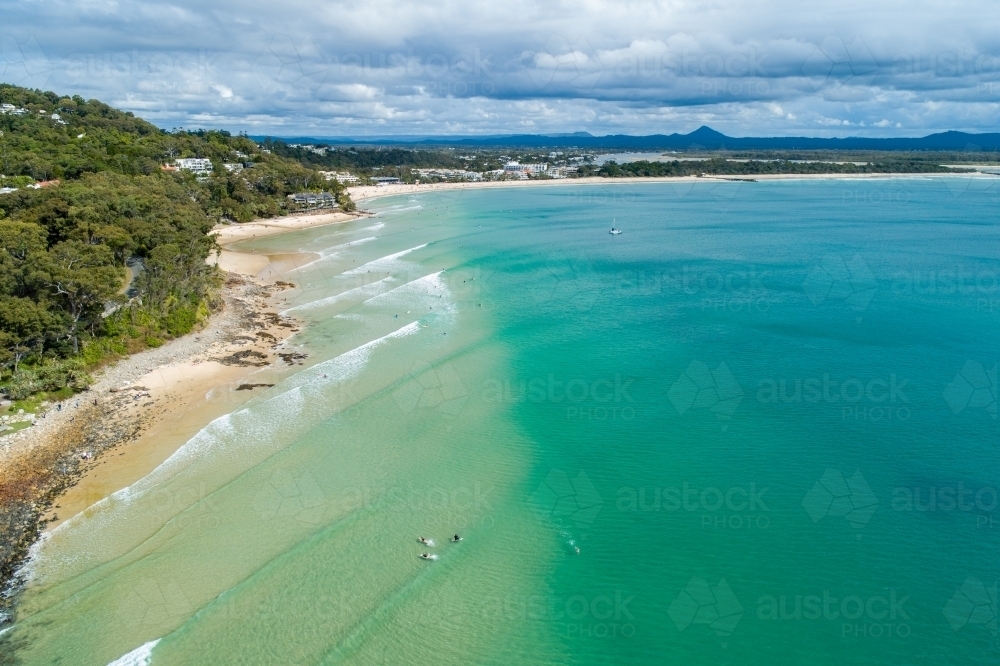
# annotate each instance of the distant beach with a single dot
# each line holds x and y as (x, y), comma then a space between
(159, 398)
(363, 193)
(177, 377)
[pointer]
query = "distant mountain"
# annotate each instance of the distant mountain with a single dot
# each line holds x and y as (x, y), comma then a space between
(703, 138)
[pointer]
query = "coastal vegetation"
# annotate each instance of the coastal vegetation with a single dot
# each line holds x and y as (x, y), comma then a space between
(103, 244)
(719, 166)
(104, 241)
(371, 162)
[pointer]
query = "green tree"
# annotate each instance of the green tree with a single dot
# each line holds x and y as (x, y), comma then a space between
(82, 279)
(23, 325)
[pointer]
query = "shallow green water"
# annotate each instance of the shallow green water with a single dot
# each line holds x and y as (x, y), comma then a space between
(710, 439)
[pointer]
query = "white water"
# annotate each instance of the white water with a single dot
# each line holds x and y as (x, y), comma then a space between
(141, 656)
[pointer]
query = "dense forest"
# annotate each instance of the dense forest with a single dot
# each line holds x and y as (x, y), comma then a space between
(385, 161)
(103, 250)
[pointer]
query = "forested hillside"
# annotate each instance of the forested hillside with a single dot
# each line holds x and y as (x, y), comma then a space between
(69, 249)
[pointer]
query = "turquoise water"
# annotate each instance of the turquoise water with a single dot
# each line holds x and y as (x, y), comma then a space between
(758, 427)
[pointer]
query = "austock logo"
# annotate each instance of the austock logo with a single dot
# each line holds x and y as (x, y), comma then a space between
(566, 63)
(432, 387)
(973, 387)
(291, 495)
(702, 388)
(701, 603)
(290, 62)
(150, 603)
(566, 281)
(850, 281)
(834, 495)
(834, 60)
(560, 498)
(23, 61)
(974, 603)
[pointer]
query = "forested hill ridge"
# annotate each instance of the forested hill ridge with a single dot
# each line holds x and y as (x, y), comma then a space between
(87, 200)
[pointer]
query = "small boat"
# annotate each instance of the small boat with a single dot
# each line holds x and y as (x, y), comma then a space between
(614, 230)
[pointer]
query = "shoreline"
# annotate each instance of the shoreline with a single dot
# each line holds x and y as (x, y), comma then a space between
(143, 408)
(139, 411)
(362, 193)
(208, 375)
(132, 418)
(226, 234)
(269, 267)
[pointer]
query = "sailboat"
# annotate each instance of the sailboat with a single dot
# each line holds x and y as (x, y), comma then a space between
(614, 231)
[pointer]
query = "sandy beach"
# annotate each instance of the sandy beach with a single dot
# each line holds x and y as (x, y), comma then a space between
(269, 267)
(143, 408)
(183, 388)
(363, 193)
(226, 234)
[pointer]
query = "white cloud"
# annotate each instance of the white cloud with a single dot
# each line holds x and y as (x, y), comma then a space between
(394, 67)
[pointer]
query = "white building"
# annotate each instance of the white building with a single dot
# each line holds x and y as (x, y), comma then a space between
(345, 178)
(314, 199)
(197, 165)
(450, 174)
(233, 168)
(515, 167)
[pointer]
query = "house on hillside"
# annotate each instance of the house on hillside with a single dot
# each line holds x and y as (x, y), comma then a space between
(199, 166)
(313, 199)
(344, 177)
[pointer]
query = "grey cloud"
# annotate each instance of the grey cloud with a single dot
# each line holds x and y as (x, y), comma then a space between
(390, 67)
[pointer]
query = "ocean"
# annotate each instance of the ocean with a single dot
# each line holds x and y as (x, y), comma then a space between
(759, 426)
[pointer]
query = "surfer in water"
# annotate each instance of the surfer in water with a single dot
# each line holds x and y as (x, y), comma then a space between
(456, 538)
(425, 556)
(423, 540)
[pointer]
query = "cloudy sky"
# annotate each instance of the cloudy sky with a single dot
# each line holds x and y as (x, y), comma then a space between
(387, 67)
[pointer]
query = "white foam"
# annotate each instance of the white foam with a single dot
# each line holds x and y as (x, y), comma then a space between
(429, 294)
(363, 292)
(383, 264)
(141, 656)
(333, 251)
(402, 208)
(375, 227)
(247, 434)
(428, 285)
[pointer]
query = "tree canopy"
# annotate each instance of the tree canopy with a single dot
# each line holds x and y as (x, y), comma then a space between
(112, 258)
